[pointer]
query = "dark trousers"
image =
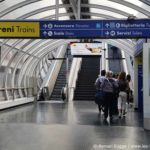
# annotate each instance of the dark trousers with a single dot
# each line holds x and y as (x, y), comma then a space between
(108, 104)
(130, 96)
(115, 105)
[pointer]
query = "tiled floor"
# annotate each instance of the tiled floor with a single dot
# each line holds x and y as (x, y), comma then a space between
(73, 126)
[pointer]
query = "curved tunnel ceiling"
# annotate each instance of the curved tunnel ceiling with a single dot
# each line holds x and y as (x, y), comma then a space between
(67, 9)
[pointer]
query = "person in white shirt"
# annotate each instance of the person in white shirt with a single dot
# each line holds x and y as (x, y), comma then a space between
(99, 96)
(130, 91)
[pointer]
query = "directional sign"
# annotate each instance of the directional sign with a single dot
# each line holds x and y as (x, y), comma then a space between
(96, 29)
(19, 29)
(53, 29)
(71, 29)
(126, 28)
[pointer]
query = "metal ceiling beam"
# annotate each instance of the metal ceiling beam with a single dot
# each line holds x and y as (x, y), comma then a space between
(16, 6)
(19, 50)
(146, 2)
(67, 6)
(61, 14)
(119, 44)
(74, 8)
(40, 10)
(69, 14)
(57, 10)
(98, 15)
(31, 63)
(98, 6)
(79, 9)
(53, 16)
(85, 14)
(131, 5)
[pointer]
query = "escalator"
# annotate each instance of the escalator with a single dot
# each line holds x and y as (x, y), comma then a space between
(61, 80)
(85, 89)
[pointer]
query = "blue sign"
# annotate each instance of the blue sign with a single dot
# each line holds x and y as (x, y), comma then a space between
(53, 29)
(71, 29)
(140, 88)
(95, 29)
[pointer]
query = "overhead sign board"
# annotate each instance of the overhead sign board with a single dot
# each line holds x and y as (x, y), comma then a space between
(71, 29)
(45, 29)
(19, 29)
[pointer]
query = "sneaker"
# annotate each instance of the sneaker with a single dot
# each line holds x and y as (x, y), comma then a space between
(102, 108)
(120, 117)
(111, 120)
(99, 110)
(99, 113)
(105, 121)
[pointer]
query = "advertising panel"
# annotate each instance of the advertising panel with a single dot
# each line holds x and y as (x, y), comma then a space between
(86, 49)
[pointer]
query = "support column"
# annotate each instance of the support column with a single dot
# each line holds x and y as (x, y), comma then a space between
(79, 9)
(136, 83)
(106, 60)
(146, 85)
(67, 77)
(57, 10)
(103, 58)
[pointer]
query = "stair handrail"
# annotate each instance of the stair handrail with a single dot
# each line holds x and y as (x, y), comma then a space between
(53, 70)
(73, 76)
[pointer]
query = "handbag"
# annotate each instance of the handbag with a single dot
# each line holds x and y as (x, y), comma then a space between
(99, 97)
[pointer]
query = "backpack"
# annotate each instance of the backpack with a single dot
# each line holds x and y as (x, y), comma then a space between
(97, 83)
(110, 85)
(99, 97)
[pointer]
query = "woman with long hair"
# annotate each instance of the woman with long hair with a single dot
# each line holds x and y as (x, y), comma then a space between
(130, 92)
(122, 99)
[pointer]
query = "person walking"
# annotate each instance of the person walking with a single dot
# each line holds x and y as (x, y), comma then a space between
(108, 86)
(122, 99)
(130, 91)
(99, 98)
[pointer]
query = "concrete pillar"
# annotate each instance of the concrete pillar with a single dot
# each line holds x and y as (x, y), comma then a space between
(146, 85)
(136, 82)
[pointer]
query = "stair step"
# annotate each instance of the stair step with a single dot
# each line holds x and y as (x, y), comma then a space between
(55, 99)
(84, 93)
(85, 89)
(61, 81)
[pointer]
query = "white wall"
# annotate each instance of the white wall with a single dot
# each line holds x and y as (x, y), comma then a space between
(146, 85)
(16, 102)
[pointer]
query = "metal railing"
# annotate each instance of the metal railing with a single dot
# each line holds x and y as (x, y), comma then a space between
(13, 89)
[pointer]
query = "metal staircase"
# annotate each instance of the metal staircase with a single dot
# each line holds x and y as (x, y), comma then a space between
(61, 80)
(85, 89)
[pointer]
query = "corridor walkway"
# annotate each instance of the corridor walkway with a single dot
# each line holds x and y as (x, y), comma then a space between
(73, 126)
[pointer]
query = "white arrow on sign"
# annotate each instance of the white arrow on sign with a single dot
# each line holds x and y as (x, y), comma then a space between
(107, 33)
(44, 33)
(107, 25)
(45, 26)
